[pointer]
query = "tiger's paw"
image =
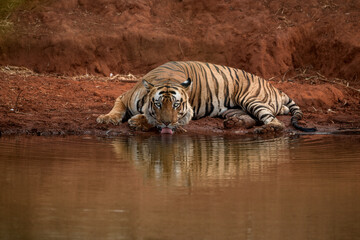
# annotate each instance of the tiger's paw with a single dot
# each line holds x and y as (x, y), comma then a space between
(110, 118)
(139, 123)
(243, 121)
(270, 128)
(180, 129)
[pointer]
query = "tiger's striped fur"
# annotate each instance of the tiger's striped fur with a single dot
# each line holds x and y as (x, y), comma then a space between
(186, 90)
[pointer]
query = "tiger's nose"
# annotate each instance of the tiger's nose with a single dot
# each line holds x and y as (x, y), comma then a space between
(167, 123)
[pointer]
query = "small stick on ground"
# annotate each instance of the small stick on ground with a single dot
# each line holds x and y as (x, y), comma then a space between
(17, 100)
(322, 78)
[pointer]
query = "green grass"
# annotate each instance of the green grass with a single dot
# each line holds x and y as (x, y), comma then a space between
(8, 7)
(5, 26)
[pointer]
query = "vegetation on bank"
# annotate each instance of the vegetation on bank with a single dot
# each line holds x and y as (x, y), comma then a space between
(8, 7)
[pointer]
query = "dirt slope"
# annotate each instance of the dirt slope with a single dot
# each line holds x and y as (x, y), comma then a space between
(110, 36)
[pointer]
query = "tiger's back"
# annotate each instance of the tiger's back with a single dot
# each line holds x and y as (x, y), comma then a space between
(216, 88)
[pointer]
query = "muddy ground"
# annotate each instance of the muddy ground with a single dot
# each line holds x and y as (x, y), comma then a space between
(309, 49)
(50, 105)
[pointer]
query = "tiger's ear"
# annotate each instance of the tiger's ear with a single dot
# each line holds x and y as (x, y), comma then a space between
(147, 85)
(186, 84)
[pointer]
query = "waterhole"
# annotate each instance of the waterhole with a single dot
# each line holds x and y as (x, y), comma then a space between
(180, 187)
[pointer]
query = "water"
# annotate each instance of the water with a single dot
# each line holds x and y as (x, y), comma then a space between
(180, 187)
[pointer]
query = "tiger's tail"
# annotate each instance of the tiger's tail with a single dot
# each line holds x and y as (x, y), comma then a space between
(296, 116)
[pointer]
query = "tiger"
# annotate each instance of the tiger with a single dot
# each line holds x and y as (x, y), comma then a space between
(171, 95)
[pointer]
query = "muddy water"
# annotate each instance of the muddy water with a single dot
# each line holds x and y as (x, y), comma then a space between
(180, 187)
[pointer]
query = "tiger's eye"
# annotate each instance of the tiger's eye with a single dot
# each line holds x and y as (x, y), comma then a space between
(158, 105)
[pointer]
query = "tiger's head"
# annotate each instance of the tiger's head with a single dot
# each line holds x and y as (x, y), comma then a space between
(167, 106)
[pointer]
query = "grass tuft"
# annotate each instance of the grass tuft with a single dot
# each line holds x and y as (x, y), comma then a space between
(8, 7)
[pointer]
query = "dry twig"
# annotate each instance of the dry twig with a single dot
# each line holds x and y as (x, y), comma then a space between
(318, 76)
(23, 71)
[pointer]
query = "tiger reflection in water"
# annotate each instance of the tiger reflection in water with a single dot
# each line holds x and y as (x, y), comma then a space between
(183, 158)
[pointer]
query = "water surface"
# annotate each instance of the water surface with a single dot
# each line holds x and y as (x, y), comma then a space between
(180, 187)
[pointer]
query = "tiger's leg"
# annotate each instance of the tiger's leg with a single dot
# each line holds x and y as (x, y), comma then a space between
(139, 123)
(116, 115)
(237, 118)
